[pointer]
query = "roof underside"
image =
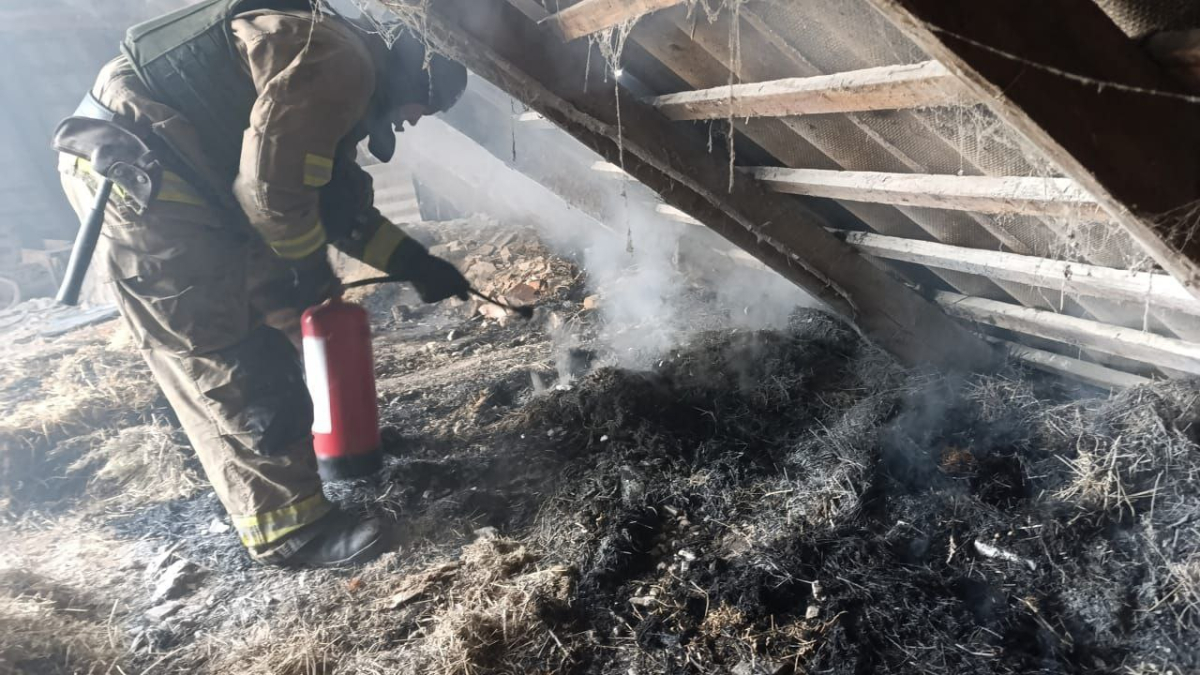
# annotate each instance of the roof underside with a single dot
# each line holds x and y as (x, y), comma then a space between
(842, 121)
(1044, 210)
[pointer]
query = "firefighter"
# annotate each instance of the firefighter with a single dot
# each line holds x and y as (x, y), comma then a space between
(253, 110)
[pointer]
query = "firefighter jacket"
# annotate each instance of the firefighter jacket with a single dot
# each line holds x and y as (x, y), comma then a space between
(265, 106)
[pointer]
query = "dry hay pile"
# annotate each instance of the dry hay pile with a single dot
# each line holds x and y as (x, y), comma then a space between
(488, 609)
(84, 430)
(65, 402)
(513, 266)
(757, 502)
(47, 629)
(773, 502)
(508, 263)
(778, 502)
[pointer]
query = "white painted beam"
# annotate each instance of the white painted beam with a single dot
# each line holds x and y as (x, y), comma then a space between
(1141, 288)
(534, 120)
(1094, 104)
(1054, 197)
(1065, 366)
(610, 170)
(885, 88)
(1108, 339)
(593, 16)
(675, 214)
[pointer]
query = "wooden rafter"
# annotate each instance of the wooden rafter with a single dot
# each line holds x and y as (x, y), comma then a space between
(675, 214)
(700, 58)
(531, 9)
(534, 120)
(593, 16)
(610, 170)
(981, 194)
(1118, 341)
(1139, 288)
(886, 88)
(927, 145)
(530, 62)
(699, 54)
(1062, 75)
(1089, 373)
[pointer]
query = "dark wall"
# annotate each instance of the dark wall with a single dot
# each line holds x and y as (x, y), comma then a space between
(51, 51)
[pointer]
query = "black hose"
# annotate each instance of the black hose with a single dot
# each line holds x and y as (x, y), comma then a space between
(525, 312)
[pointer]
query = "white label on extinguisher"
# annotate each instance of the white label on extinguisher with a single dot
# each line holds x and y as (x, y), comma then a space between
(316, 372)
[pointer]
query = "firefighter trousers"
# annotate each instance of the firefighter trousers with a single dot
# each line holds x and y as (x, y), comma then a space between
(184, 279)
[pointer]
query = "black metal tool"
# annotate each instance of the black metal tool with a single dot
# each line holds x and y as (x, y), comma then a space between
(525, 311)
(84, 247)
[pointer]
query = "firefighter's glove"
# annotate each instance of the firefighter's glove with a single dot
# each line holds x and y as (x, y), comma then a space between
(436, 279)
(304, 283)
(433, 278)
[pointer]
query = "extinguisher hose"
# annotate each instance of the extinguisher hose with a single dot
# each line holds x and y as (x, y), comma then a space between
(525, 311)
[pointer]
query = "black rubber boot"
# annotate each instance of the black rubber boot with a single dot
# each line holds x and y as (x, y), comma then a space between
(342, 540)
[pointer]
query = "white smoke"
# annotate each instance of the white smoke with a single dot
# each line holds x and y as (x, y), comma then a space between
(657, 278)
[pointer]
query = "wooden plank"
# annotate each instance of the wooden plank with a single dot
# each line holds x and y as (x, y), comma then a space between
(888, 88)
(699, 55)
(1125, 342)
(593, 16)
(675, 214)
(1089, 373)
(527, 60)
(1064, 77)
(768, 51)
(534, 120)
(1059, 197)
(610, 170)
(1141, 288)
(935, 149)
(531, 9)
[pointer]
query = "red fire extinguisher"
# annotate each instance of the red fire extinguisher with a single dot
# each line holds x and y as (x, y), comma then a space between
(341, 381)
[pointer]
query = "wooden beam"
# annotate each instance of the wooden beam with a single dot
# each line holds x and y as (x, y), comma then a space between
(887, 88)
(1139, 288)
(915, 137)
(1059, 197)
(593, 16)
(1091, 374)
(901, 141)
(675, 214)
(534, 120)
(531, 9)
(700, 56)
(1125, 342)
(610, 170)
(529, 61)
(1062, 75)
